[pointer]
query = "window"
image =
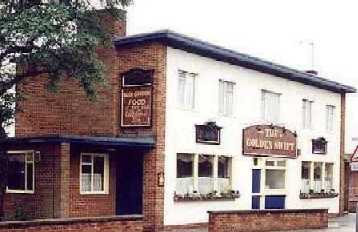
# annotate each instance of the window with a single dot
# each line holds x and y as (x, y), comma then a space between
(206, 177)
(275, 174)
(270, 106)
(185, 177)
(316, 177)
(226, 98)
(307, 114)
(224, 169)
(330, 114)
(195, 173)
(329, 176)
(186, 90)
(21, 174)
(94, 174)
(306, 176)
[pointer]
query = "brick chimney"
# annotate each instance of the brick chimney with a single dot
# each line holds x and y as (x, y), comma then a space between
(116, 26)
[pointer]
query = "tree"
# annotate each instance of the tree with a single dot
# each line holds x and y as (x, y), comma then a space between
(53, 37)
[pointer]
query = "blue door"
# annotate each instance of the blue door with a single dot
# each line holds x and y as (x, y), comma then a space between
(256, 180)
(256, 184)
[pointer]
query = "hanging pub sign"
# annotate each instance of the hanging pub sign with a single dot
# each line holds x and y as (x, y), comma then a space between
(319, 146)
(269, 140)
(136, 98)
(209, 133)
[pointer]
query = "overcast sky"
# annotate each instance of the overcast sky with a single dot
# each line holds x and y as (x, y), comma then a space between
(278, 30)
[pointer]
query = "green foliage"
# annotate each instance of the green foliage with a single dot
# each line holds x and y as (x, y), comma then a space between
(58, 38)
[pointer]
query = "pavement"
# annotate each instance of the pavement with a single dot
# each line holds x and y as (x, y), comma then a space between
(346, 223)
(339, 224)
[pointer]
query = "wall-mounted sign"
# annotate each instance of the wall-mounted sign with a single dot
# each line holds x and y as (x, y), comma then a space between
(319, 146)
(268, 140)
(136, 98)
(208, 133)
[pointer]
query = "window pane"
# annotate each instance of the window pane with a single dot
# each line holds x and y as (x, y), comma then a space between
(185, 165)
(221, 97)
(224, 168)
(98, 173)
(16, 174)
(185, 180)
(317, 177)
(281, 163)
(275, 179)
(329, 176)
(306, 176)
(270, 163)
(271, 106)
(86, 159)
(86, 178)
(30, 172)
(206, 180)
(205, 166)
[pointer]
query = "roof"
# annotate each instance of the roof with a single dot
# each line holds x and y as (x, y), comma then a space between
(209, 50)
(135, 142)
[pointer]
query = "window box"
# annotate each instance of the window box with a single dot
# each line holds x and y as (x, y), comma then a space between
(230, 195)
(312, 195)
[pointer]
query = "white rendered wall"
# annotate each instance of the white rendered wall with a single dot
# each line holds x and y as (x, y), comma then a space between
(180, 131)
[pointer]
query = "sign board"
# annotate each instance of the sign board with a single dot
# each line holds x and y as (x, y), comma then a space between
(136, 98)
(208, 133)
(319, 146)
(269, 140)
(136, 107)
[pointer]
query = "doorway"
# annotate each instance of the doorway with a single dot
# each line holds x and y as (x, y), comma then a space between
(129, 187)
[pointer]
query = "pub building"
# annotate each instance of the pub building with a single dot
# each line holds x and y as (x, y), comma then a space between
(182, 127)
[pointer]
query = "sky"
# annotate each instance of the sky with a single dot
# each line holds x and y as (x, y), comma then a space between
(284, 31)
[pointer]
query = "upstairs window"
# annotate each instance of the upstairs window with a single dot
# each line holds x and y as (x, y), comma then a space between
(94, 174)
(21, 172)
(270, 106)
(307, 114)
(226, 98)
(186, 90)
(330, 114)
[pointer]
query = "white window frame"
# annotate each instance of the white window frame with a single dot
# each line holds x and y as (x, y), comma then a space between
(323, 174)
(224, 107)
(265, 167)
(264, 116)
(307, 107)
(330, 117)
(184, 75)
(214, 174)
(25, 152)
(105, 178)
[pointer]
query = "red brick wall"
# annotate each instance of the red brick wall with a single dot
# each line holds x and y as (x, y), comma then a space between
(266, 220)
(69, 111)
(76, 225)
(150, 56)
(94, 204)
(42, 203)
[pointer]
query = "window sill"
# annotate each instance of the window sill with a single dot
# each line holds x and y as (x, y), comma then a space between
(19, 192)
(206, 197)
(94, 193)
(317, 195)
